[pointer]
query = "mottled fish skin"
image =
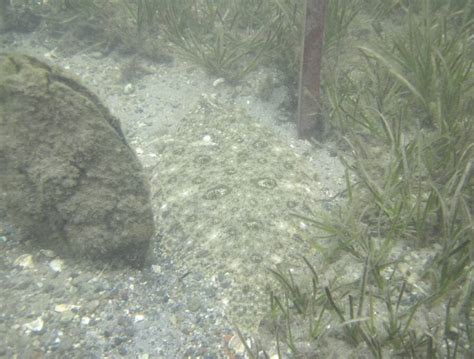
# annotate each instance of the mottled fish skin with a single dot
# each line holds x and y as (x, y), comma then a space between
(225, 189)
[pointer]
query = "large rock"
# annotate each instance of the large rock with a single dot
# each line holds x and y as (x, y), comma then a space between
(68, 181)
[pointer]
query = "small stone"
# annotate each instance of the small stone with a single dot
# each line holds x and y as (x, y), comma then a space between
(61, 308)
(128, 89)
(56, 265)
(47, 253)
(139, 317)
(24, 261)
(156, 268)
(218, 82)
(92, 306)
(207, 141)
(276, 259)
(403, 267)
(303, 226)
(194, 304)
(66, 317)
(35, 326)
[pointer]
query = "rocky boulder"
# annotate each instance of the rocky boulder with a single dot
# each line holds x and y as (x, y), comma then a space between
(68, 179)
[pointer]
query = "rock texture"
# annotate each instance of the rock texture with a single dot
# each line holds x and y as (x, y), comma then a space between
(68, 181)
(226, 190)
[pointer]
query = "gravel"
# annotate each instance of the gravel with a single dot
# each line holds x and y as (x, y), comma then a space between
(85, 310)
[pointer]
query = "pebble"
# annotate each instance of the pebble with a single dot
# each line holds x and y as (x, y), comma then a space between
(66, 317)
(24, 261)
(156, 268)
(194, 304)
(35, 326)
(61, 308)
(128, 89)
(48, 253)
(218, 82)
(56, 265)
(92, 306)
(139, 317)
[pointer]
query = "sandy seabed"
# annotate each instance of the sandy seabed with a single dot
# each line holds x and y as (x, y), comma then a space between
(50, 307)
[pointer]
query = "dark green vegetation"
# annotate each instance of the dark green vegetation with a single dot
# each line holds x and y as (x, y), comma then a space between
(398, 93)
(227, 38)
(401, 105)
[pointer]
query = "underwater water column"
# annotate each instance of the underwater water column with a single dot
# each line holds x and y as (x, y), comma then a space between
(310, 123)
(3, 14)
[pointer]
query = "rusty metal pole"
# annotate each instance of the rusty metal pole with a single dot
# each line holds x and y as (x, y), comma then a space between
(310, 123)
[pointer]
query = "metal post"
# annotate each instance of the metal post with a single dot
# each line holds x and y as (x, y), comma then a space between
(310, 123)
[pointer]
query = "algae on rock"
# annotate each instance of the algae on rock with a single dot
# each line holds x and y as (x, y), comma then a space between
(69, 180)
